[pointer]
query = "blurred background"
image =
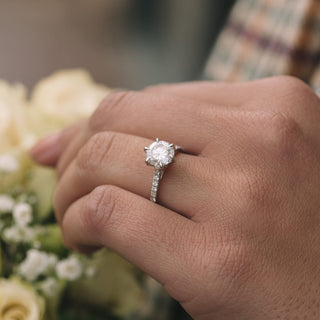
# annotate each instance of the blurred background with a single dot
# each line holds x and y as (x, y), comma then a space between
(123, 43)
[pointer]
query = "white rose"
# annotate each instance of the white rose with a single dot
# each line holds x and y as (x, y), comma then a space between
(19, 301)
(69, 269)
(14, 131)
(66, 96)
(62, 98)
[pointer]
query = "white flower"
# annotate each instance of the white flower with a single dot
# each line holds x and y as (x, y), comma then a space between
(67, 96)
(69, 269)
(8, 163)
(27, 234)
(19, 301)
(13, 110)
(49, 287)
(16, 234)
(6, 203)
(35, 264)
(11, 234)
(22, 214)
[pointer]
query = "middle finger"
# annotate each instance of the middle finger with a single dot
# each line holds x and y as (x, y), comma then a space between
(148, 115)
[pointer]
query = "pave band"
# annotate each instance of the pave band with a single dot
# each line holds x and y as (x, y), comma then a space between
(155, 185)
(159, 155)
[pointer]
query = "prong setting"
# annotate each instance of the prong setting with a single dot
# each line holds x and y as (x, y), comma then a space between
(160, 154)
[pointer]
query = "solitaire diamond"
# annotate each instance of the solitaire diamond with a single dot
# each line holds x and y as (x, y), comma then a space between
(159, 154)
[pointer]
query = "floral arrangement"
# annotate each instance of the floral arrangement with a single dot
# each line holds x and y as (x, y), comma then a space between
(39, 277)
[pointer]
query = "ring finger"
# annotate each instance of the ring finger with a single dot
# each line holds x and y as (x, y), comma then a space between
(111, 158)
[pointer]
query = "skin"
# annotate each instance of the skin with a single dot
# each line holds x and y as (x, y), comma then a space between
(235, 232)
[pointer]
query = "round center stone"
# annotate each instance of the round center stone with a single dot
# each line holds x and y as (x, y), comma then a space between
(160, 154)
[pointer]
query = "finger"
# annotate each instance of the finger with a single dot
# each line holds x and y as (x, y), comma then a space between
(118, 159)
(221, 94)
(49, 149)
(150, 116)
(151, 237)
(229, 94)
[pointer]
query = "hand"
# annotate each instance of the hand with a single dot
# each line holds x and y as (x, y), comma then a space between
(235, 233)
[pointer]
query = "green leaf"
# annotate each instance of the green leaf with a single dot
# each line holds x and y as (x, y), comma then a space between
(115, 287)
(53, 303)
(1, 260)
(72, 310)
(51, 240)
(42, 183)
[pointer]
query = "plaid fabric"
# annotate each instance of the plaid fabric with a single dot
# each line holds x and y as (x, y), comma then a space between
(269, 37)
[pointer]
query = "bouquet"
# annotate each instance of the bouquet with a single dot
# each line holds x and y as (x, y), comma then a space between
(39, 277)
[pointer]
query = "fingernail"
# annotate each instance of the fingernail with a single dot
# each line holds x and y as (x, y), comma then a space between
(46, 149)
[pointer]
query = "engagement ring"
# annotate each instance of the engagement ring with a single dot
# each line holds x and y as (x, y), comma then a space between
(159, 155)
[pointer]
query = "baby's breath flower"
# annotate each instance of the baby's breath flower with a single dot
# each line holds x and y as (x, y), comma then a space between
(11, 234)
(16, 234)
(27, 234)
(49, 287)
(6, 203)
(22, 214)
(35, 264)
(8, 163)
(69, 269)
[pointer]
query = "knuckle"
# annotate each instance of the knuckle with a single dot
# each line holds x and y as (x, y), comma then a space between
(99, 209)
(290, 84)
(95, 151)
(276, 134)
(283, 133)
(108, 110)
(274, 149)
(292, 95)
